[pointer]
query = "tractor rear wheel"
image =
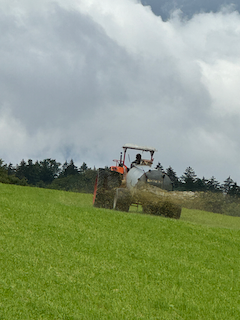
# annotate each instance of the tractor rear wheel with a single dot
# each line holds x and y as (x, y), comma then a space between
(105, 185)
(122, 200)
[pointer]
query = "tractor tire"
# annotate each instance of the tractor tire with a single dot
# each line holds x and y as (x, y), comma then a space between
(99, 189)
(105, 185)
(122, 200)
(163, 208)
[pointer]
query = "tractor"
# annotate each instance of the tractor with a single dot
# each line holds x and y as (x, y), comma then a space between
(119, 187)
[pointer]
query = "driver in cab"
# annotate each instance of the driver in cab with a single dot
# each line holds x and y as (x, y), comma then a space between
(137, 161)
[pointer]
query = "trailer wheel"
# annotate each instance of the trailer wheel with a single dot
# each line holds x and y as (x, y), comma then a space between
(166, 209)
(122, 200)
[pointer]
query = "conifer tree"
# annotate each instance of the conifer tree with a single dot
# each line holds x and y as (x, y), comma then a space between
(21, 170)
(188, 179)
(173, 176)
(227, 185)
(83, 167)
(70, 169)
(213, 185)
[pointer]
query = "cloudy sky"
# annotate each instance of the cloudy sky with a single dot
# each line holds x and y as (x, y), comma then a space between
(80, 78)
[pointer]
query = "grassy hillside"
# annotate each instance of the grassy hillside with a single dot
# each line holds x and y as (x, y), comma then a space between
(63, 259)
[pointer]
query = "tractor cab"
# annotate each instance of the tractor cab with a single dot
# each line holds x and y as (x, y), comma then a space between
(140, 160)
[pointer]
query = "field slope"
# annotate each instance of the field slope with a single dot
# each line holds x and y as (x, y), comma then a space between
(60, 258)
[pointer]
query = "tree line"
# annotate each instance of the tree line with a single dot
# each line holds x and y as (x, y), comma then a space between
(49, 173)
(189, 181)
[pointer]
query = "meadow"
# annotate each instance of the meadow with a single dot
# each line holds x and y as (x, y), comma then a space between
(60, 258)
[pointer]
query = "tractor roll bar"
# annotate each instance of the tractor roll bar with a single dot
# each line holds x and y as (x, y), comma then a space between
(136, 147)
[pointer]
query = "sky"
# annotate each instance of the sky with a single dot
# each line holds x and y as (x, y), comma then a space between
(80, 78)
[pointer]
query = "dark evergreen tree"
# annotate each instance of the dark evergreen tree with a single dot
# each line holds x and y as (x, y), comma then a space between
(7, 175)
(188, 179)
(227, 185)
(49, 170)
(200, 184)
(32, 172)
(3, 168)
(234, 190)
(213, 185)
(3, 165)
(21, 170)
(37, 167)
(173, 176)
(10, 169)
(83, 167)
(63, 169)
(70, 169)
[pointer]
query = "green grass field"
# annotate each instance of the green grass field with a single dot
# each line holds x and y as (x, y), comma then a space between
(60, 258)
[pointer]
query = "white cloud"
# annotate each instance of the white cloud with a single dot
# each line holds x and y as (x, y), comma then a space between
(222, 79)
(81, 78)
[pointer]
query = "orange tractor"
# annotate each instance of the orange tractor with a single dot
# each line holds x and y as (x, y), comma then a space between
(119, 186)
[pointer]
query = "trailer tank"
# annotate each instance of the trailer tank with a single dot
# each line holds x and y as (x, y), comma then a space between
(140, 175)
